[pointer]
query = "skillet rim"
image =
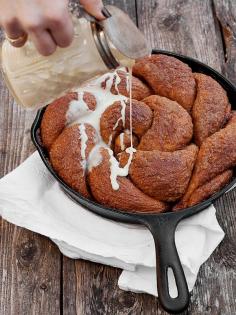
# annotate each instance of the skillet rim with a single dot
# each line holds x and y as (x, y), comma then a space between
(125, 216)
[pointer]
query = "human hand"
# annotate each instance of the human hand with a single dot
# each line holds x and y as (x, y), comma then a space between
(93, 7)
(48, 23)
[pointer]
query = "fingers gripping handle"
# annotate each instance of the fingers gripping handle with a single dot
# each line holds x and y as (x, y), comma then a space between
(91, 18)
(167, 258)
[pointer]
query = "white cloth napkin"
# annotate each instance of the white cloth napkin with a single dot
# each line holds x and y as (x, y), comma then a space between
(31, 198)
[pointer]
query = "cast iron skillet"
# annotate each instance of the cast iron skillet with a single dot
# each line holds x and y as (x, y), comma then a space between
(162, 226)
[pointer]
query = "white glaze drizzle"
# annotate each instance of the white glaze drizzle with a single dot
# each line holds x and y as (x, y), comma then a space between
(123, 109)
(122, 145)
(77, 108)
(83, 139)
(123, 103)
(110, 81)
(117, 82)
(95, 157)
(116, 170)
(131, 107)
(110, 140)
(114, 128)
(127, 82)
(104, 99)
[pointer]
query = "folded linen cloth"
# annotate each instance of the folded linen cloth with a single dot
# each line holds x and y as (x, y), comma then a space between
(31, 198)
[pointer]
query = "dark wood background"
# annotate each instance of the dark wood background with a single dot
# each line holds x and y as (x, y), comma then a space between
(34, 277)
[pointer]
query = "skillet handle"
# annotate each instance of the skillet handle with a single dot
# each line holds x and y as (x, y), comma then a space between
(163, 230)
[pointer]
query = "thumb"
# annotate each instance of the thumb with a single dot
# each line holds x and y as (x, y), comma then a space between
(93, 7)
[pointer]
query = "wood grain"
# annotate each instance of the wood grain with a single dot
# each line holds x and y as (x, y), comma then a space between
(128, 6)
(90, 288)
(96, 290)
(29, 264)
(29, 273)
(33, 277)
(191, 28)
(215, 289)
(183, 26)
(225, 12)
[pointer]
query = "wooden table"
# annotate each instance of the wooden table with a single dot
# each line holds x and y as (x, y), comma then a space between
(34, 277)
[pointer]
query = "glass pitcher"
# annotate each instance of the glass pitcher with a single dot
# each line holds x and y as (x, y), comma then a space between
(35, 80)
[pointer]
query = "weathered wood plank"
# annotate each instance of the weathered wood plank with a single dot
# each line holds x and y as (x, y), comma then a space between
(226, 14)
(95, 290)
(215, 289)
(29, 273)
(29, 264)
(184, 26)
(219, 274)
(129, 6)
(191, 28)
(92, 288)
(188, 27)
